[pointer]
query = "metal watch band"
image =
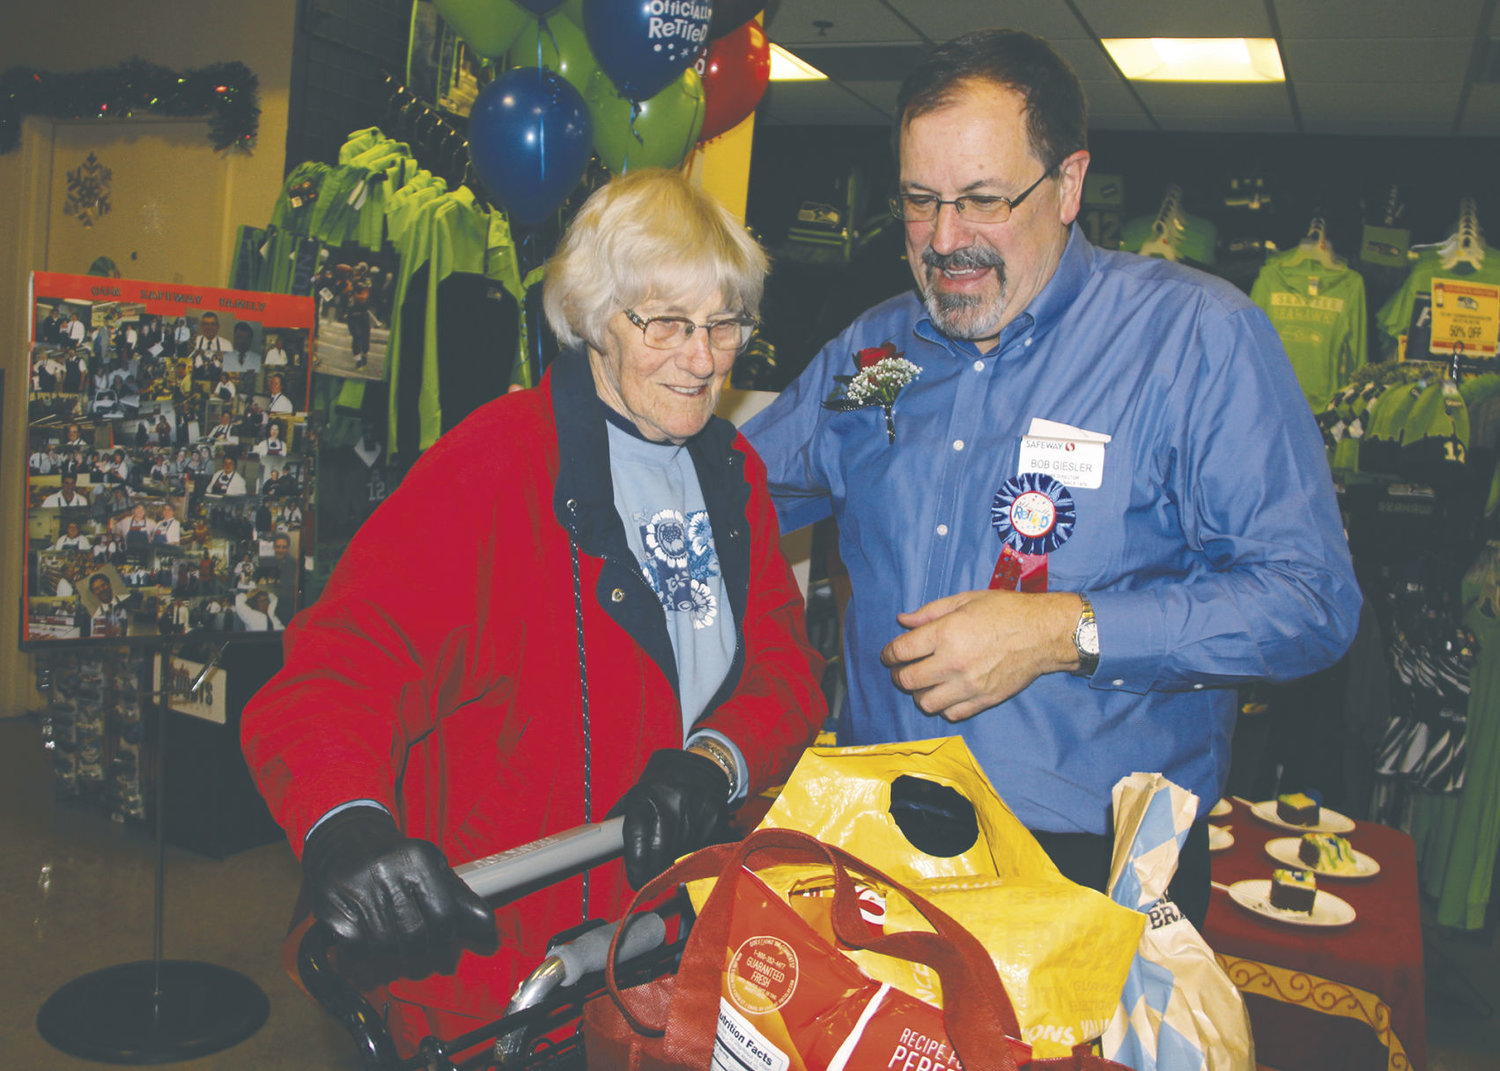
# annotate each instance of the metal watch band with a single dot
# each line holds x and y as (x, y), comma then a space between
(1088, 661)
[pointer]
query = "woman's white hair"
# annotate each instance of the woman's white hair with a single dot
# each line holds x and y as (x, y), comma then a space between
(648, 234)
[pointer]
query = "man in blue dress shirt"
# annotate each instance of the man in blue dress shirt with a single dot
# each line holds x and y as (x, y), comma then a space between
(1096, 501)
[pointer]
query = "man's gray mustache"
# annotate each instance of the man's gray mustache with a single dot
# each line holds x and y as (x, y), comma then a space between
(963, 259)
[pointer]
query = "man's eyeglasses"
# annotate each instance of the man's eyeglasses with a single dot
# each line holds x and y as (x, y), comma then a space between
(974, 207)
(669, 332)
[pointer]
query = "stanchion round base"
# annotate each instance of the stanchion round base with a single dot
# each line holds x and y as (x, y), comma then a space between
(115, 1016)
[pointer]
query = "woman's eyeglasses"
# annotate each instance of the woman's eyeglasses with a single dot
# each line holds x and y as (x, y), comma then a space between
(669, 332)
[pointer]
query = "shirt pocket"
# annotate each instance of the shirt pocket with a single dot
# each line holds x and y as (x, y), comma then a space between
(1105, 521)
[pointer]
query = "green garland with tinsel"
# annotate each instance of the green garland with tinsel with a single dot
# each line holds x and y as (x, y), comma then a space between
(225, 92)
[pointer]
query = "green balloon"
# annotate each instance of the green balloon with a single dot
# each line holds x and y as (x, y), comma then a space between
(487, 26)
(660, 134)
(559, 46)
(574, 10)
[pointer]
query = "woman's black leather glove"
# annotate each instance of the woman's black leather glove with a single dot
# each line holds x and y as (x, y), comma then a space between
(680, 804)
(392, 896)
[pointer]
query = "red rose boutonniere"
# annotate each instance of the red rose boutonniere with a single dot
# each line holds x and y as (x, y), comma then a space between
(881, 373)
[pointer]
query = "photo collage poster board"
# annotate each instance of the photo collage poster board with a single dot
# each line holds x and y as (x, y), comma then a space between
(170, 459)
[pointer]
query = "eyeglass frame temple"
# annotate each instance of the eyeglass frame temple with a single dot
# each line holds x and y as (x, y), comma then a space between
(896, 202)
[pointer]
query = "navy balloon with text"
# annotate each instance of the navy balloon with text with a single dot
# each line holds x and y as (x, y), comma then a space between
(530, 138)
(644, 45)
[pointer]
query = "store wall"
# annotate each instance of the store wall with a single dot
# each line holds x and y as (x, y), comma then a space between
(177, 230)
(1342, 179)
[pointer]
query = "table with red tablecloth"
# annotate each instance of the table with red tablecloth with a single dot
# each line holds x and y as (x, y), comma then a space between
(1320, 997)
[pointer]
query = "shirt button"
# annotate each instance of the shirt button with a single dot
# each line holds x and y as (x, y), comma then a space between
(617, 596)
(1197, 687)
(958, 444)
(942, 529)
(979, 366)
(1027, 342)
(1118, 682)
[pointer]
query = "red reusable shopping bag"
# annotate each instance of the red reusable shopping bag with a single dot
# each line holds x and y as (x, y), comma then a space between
(763, 984)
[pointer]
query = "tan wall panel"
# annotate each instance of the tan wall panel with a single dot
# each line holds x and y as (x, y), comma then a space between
(157, 212)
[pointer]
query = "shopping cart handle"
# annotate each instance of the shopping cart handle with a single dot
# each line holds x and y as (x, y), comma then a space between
(374, 1049)
(542, 861)
(644, 932)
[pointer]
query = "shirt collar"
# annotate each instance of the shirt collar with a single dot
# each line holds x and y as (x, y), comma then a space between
(1073, 269)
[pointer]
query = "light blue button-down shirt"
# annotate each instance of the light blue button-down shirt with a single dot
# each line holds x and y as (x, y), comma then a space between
(1213, 551)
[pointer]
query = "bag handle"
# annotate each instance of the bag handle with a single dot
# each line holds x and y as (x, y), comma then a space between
(977, 1011)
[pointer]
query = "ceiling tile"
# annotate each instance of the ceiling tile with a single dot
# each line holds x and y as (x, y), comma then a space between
(1346, 126)
(1173, 18)
(1179, 100)
(1105, 121)
(1088, 60)
(1402, 62)
(1193, 124)
(1429, 18)
(818, 103)
(844, 63)
(943, 20)
(1482, 114)
(1328, 101)
(1112, 98)
(853, 21)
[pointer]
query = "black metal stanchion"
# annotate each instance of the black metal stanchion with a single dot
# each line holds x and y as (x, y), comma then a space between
(156, 1011)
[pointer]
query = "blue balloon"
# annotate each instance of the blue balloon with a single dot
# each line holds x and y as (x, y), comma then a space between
(643, 45)
(530, 138)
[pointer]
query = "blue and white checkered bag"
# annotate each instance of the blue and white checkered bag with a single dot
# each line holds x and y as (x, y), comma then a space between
(1178, 1011)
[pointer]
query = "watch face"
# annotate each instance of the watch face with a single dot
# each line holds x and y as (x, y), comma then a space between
(1087, 637)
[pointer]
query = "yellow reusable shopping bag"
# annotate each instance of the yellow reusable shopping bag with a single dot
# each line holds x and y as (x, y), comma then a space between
(1062, 950)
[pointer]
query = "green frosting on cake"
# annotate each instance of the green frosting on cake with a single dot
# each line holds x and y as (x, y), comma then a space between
(1328, 852)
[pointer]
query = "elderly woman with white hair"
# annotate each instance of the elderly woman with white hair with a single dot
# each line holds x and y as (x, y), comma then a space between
(607, 626)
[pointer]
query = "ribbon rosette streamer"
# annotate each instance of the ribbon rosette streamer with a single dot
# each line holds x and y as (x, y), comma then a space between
(883, 372)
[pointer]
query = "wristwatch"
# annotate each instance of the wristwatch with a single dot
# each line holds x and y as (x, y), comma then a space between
(1086, 640)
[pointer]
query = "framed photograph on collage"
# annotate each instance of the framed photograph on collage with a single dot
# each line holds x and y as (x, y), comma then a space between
(170, 460)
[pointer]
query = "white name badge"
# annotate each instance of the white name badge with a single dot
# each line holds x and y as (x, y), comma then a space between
(1071, 462)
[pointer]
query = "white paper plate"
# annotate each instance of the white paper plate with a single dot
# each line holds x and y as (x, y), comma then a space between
(1255, 895)
(1328, 821)
(1219, 838)
(1284, 850)
(1221, 808)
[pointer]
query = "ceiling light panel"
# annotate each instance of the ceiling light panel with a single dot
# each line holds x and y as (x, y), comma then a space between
(1197, 59)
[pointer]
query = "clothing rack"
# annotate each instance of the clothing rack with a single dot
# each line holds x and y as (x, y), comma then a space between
(435, 142)
(1394, 208)
(1165, 227)
(1466, 244)
(1315, 246)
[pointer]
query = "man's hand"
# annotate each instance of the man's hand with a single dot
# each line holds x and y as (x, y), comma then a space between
(967, 652)
(391, 895)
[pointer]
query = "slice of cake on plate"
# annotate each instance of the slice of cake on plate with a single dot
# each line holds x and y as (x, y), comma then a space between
(1298, 809)
(1327, 852)
(1293, 890)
